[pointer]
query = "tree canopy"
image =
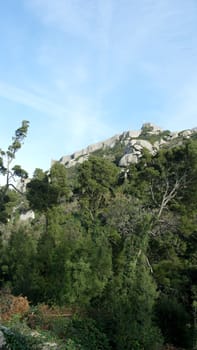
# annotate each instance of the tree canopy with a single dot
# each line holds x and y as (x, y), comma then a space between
(119, 246)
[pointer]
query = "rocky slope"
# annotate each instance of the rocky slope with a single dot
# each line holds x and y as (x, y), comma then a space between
(126, 148)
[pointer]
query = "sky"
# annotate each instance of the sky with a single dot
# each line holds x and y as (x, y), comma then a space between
(82, 71)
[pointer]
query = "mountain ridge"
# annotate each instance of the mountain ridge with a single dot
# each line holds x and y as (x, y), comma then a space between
(130, 145)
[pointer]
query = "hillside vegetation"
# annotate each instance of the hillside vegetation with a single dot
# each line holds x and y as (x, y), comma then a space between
(112, 249)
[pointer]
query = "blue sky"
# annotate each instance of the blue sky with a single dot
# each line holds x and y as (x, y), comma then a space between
(83, 70)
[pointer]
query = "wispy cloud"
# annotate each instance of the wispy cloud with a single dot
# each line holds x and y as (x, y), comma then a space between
(90, 69)
(120, 35)
(73, 17)
(30, 99)
(93, 51)
(78, 118)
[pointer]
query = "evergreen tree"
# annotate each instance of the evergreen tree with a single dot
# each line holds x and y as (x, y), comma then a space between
(8, 171)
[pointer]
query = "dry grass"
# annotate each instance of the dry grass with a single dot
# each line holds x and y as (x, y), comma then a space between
(11, 305)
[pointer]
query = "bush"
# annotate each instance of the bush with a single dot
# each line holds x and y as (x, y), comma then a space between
(17, 341)
(71, 345)
(47, 317)
(76, 333)
(11, 305)
(83, 334)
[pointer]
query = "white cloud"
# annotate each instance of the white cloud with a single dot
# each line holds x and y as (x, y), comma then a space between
(30, 99)
(78, 59)
(118, 35)
(122, 42)
(78, 118)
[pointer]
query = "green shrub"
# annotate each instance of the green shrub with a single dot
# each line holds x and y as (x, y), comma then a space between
(86, 335)
(18, 341)
(71, 345)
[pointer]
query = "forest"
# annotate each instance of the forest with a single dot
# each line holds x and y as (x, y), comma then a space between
(109, 260)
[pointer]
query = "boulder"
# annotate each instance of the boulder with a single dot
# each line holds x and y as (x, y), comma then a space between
(29, 215)
(157, 145)
(2, 341)
(150, 128)
(131, 134)
(138, 147)
(185, 133)
(145, 144)
(174, 135)
(127, 159)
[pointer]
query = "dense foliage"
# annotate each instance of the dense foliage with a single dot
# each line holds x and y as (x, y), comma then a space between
(118, 245)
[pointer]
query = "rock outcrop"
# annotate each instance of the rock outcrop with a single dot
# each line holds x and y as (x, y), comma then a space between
(80, 156)
(133, 151)
(150, 137)
(151, 129)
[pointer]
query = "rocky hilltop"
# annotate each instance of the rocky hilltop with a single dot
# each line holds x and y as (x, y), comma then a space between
(127, 147)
